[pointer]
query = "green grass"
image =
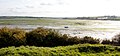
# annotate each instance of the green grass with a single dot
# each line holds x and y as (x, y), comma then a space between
(73, 50)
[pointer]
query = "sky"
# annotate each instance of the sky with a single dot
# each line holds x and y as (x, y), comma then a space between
(59, 8)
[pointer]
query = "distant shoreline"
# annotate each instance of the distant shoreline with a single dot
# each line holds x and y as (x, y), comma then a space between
(115, 18)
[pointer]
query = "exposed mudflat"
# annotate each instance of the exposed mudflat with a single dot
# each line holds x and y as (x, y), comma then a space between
(94, 28)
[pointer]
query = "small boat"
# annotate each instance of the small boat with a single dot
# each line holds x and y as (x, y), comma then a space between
(66, 27)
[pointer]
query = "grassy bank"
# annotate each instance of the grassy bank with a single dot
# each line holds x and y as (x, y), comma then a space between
(73, 50)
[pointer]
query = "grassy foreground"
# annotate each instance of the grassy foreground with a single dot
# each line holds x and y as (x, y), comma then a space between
(73, 50)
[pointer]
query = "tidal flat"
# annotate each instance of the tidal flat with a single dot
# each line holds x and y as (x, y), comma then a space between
(75, 27)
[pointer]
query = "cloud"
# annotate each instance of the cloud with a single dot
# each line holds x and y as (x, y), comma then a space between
(28, 6)
(60, 7)
(46, 4)
(52, 2)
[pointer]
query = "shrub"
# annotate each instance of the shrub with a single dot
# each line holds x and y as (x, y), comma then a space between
(35, 37)
(44, 37)
(40, 37)
(54, 38)
(116, 39)
(11, 37)
(106, 41)
(73, 40)
(63, 40)
(50, 37)
(90, 40)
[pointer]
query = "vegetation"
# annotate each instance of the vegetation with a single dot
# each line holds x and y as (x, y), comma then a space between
(54, 44)
(106, 41)
(12, 37)
(39, 37)
(46, 37)
(90, 40)
(116, 40)
(73, 50)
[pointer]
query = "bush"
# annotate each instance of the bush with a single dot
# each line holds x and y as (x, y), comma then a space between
(73, 40)
(44, 37)
(40, 37)
(11, 37)
(106, 41)
(116, 39)
(35, 37)
(90, 40)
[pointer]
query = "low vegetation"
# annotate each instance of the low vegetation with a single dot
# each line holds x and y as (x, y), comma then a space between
(73, 50)
(40, 37)
(50, 42)
(12, 37)
(46, 37)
